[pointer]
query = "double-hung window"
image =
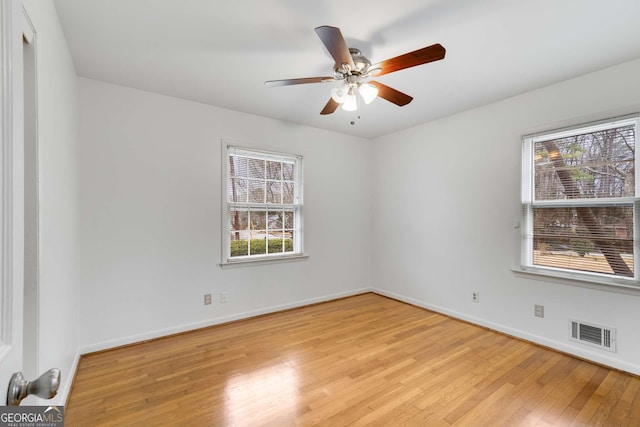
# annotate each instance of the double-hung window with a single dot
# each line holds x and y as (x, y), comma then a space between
(580, 202)
(262, 205)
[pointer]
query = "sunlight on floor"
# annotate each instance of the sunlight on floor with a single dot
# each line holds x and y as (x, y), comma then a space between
(272, 390)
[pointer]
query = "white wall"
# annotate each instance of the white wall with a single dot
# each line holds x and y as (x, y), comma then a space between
(58, 204)
(444, 207)
(150, 216)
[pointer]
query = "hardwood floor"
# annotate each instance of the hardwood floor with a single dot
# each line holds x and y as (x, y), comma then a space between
(364, 360)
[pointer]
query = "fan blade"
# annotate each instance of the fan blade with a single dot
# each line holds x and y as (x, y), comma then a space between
(330, 107)
(287, 82)
(418, 57)
(391, 94)
(335, 44)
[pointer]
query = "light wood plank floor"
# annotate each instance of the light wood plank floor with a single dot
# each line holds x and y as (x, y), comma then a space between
(364, 360)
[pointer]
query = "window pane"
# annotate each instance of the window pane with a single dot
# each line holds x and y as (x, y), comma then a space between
(237, 166)
(258, 221)
(287, 193)
(275, 246)
(275, 242)
(256, 168)
(256, 191)
(586, 166)
(594, 239)
(239, 247)
(275, 220)
(288, 220)
(288, 171)
(237, 190)
(274, 170)
(239, 220)
(288, 241)
(274, 192)
(258, 246)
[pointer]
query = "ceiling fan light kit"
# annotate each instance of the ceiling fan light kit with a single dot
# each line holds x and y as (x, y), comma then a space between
(339, 93)
(347, 95)
(354, 70)
(350, 101)
(368, 92)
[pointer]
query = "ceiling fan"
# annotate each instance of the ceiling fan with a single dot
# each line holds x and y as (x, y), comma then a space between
(354, 70)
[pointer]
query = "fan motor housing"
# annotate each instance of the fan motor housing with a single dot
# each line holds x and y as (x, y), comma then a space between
(361, 62)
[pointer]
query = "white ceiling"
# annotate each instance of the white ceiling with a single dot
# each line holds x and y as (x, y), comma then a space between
(221, 52)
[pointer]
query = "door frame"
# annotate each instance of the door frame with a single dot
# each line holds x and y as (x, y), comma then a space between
(12, 193)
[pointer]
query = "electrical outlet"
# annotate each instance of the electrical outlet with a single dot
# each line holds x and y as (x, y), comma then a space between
(207, 299)
(538, 310)
(475, 296)
(224, 296)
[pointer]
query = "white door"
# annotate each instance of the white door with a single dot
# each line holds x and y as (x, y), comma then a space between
(11, 194)
(30, 306)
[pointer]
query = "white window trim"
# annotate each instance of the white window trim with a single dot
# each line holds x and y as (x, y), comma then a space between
(563, 278)
(253, 260)
(566, 276)
(258, 260)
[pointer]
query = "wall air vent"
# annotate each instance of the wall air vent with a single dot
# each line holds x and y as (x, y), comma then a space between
(594, 335)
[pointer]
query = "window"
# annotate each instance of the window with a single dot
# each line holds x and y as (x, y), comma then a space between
(580, 202)
(263, 205)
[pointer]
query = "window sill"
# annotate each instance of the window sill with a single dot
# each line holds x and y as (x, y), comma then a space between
(623, 286)
(250, 262)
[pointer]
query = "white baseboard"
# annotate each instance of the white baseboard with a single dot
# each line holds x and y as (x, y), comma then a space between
(556, 345)
(91, 348)
(67, 382)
